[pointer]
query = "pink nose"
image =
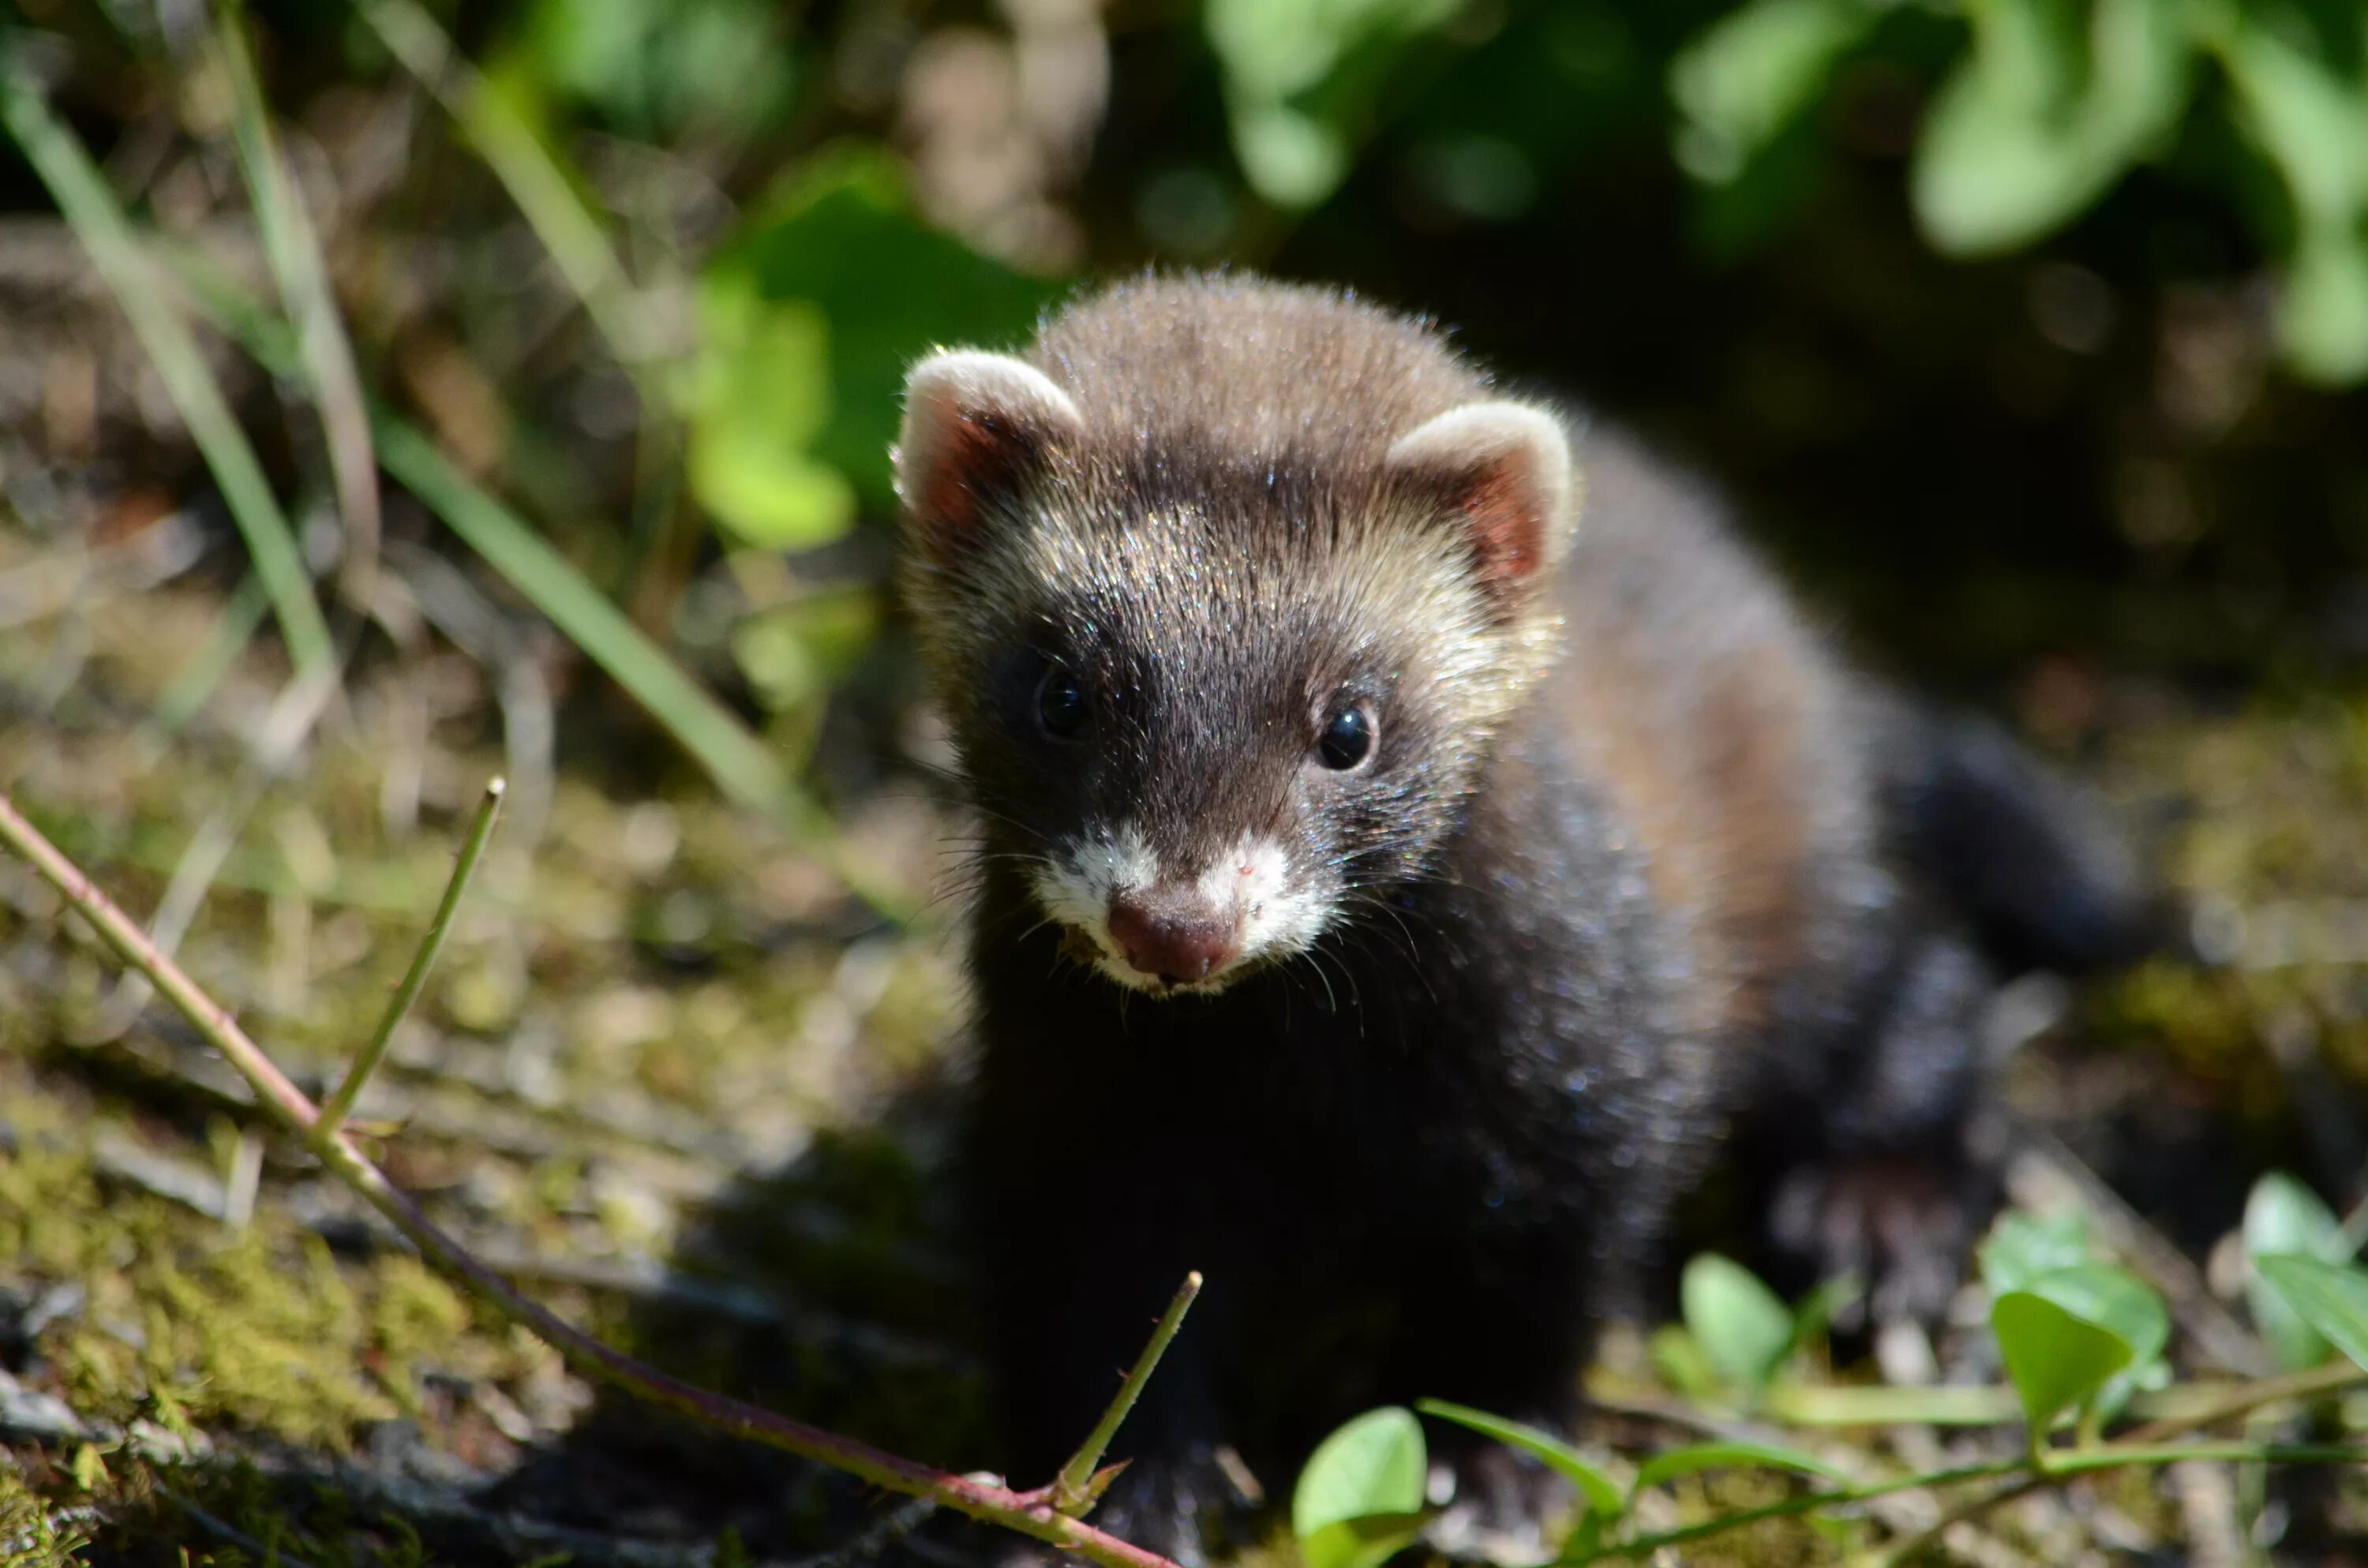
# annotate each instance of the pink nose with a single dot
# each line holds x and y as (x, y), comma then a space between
(1171, 938)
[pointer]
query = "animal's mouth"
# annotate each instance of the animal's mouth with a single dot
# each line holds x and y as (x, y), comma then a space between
(1085, 949)
(1176, 930)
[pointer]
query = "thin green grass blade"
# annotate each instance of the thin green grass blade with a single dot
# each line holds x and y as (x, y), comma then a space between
(1734, 1455)
(748, 771)
(293, 247)
(739, 762)
(98, 220)
(528, 169)
(196, 678)
(1600, 1493)
(551, 197)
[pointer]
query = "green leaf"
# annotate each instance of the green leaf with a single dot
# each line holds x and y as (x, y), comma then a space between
(1291, 159)
(2322, 321)
(1695, 1457)
(2054, 1359)
(2026, 133)
(1742, 80)
(293, 245)
(1361, 1544)
(2284, 1218)
(760, 396)
(657, 68)
(1678, 1358)
(844, 287)
(1739, 1323)
(2113, 1300)
(2021, 1247)
(1300, 76)
(1372, 1466)
(2123, 1304)
(1600, 1492)
(2066, 1334)
(1812, 1314)
(2330, 1297)
(2309, 122)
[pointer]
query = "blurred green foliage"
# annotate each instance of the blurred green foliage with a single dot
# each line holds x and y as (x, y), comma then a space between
(765, 212)
(2045, 105)
(661, 71)
(830, 288)
(645, 287)
(1300, 81)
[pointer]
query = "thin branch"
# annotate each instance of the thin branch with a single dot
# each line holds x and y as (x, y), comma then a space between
(2056, 1467)
(1074, 1492)
(340, 1105)
(263, 1552)
(1029, 1513)
(1865, 1404)
(2216, 1405)
(1911, 1547)
(2021, 1475)
(1647, 1545)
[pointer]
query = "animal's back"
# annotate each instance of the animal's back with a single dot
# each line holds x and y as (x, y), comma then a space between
(1727, 739)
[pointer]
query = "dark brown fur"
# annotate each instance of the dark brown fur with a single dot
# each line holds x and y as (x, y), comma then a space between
(1640, 872)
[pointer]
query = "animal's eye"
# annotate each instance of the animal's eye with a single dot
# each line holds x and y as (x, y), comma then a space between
(1059, 704)
(1346, 742)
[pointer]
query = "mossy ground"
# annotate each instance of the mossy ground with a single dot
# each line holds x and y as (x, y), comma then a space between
(673, 1074)
(652, 1015)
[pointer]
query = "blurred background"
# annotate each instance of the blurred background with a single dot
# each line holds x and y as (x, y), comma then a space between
(396, 393)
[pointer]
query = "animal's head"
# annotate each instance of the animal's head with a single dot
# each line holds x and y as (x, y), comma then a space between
(1226, 589)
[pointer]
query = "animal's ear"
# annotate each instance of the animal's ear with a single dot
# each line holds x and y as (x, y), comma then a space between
(974, 427)
(1501, 473)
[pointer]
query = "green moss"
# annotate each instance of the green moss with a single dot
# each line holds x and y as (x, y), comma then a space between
(259, 1329)
(31, 1534)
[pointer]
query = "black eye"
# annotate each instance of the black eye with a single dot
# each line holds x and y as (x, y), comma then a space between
(1348, 738)
(1059, 704)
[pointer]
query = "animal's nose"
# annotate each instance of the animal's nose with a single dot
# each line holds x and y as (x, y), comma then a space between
(1170, 938)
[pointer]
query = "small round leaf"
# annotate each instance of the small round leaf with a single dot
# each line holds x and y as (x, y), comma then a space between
(2330, 1297)
(2283, 1218)
(1739, 1323)
(1373, 1465)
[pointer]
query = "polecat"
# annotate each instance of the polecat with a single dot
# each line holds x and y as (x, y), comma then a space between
(1399, 879)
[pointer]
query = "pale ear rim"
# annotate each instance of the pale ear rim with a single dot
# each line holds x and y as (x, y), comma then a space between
(971, 383)
(1511, 458)
(974, 422)
(1478, 433)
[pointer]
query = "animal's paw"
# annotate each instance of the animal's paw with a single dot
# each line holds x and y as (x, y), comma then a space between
(1899, 1223)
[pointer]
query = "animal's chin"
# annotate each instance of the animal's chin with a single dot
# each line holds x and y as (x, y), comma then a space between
(1082, 950)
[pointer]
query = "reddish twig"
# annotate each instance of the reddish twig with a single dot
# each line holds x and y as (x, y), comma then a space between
(1032, 1513)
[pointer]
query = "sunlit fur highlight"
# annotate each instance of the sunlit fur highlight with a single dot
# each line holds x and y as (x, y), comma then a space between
(1225, 525)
